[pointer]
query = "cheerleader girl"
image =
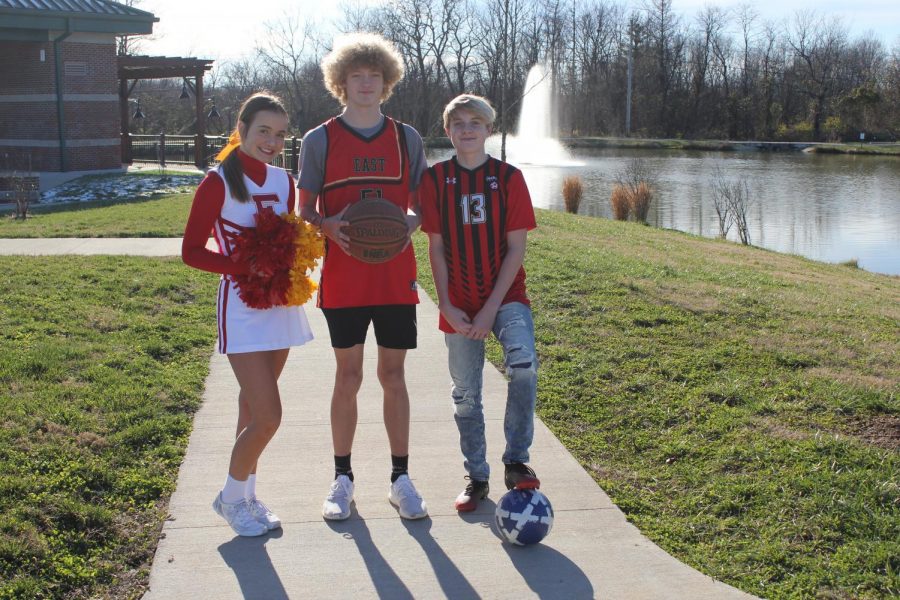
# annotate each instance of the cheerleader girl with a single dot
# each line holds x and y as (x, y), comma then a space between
(256, 341)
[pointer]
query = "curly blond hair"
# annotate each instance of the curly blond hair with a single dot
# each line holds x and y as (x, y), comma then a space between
(357, 50)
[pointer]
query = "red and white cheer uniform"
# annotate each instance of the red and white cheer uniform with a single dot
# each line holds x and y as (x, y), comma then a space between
(241, 328)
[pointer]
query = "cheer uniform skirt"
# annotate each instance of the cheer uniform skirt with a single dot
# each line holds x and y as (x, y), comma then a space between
(245, 329)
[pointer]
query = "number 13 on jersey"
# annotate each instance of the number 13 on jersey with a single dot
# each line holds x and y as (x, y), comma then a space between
(472, 208)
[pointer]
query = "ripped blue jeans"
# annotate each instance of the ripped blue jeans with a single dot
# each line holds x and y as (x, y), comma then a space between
(514, 329)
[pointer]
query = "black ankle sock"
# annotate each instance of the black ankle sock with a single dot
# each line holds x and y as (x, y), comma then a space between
(342, 467)
(399, 465)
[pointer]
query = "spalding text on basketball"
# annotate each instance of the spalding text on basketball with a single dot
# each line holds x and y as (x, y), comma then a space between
(387, 232)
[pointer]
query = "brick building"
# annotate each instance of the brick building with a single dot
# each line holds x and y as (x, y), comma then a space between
(59, 85)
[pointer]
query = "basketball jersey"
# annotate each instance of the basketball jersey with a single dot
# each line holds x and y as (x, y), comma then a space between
(472, 210)
(357, 168)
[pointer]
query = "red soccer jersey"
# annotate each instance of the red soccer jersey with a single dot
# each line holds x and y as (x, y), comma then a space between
(473, 210)
(357, 168)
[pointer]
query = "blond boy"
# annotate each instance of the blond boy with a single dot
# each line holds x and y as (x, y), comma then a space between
(477, 211)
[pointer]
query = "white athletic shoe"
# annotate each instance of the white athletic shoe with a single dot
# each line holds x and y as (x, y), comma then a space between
(263, 514)
(337, 504)
(404, 496)
(238, 517)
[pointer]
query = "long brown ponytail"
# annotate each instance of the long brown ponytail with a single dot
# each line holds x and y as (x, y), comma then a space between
(231, 166)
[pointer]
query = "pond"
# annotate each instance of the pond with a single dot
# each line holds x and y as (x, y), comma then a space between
(831, 208)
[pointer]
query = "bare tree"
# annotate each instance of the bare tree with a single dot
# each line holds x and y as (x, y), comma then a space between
(721, 193)
(499, 31)
(411, 25)
(667, 46)
(462, 46)
(596, 43)
(20, 182)
(291, 44)
(454, 45)
(723, 51)
(747, 17)
(356, 16)
(711, 21)
(818, 45)
(772, 63)
(732, 201)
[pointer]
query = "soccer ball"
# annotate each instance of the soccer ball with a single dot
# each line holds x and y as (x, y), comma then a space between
(524, 517)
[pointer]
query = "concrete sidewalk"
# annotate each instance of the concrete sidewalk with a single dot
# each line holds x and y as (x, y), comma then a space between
(90, 246)
(592, 552)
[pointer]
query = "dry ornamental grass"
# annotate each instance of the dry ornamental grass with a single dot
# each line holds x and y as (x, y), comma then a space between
(572, 192)
(620, 202)
(639, 200)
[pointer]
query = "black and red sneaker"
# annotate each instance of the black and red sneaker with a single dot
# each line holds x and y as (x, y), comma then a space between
(521, 477)
(468, 499)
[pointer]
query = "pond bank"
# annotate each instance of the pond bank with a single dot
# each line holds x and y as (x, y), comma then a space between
(880, 149)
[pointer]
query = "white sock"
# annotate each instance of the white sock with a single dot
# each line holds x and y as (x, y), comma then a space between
(250, 490)
(233, 492)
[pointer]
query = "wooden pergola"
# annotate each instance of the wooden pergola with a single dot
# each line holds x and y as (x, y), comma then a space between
(134, 68)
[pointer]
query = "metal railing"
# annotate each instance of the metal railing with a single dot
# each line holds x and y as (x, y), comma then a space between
(163, 149)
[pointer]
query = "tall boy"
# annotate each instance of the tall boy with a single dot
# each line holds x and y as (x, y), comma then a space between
(477, 211)
(360, 154)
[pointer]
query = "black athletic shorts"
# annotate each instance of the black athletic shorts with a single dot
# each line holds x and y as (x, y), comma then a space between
(395, 325)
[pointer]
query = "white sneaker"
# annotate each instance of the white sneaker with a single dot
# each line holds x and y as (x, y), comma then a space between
(238, 517)
(263, 514)
(337, 504)
(407, 500)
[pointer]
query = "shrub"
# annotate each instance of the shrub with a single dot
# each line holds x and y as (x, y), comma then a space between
(639, 200)
(637, 182)
(621, 205)
(572, 190)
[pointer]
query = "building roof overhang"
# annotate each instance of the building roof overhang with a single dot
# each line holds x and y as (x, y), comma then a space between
(43, 20)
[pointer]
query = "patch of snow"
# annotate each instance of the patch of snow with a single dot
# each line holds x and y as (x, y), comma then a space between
(120, 187)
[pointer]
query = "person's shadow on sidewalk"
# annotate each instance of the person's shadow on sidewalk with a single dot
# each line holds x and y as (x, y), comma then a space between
(248, 558)
(452, 581)
(386, 581)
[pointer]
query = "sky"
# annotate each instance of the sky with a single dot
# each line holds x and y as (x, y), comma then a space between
(224, 29)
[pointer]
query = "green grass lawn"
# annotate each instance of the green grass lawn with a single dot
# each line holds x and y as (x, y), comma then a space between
(158, 217)
(102, 363)
(740, 406)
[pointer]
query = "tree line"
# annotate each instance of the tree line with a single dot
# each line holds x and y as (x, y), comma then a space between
(719, 74)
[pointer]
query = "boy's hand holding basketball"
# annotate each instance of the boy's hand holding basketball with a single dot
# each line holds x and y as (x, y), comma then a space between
(332, 227)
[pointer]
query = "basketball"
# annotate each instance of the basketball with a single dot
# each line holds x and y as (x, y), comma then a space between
(377, 230)
(524, 517)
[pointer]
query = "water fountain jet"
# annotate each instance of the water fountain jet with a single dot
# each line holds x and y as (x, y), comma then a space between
(535, 142)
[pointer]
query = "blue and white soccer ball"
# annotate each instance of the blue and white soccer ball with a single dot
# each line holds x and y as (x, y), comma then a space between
(524, 517)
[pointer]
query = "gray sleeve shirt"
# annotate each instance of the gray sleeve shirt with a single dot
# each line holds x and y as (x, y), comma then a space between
(314, 146)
